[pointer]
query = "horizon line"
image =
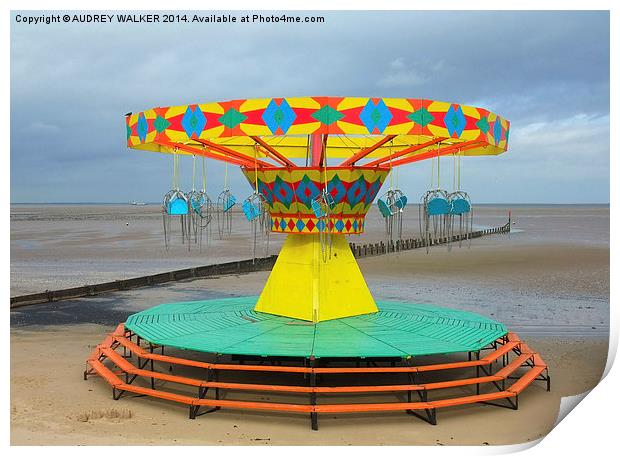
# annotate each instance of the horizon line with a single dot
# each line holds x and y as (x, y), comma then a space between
(159, 202)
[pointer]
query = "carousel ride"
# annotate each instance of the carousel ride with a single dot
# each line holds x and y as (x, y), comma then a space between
(316, 165)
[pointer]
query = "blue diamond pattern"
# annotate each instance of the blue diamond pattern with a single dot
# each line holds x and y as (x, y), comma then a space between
(142, 128)
(497, 131)
(372, 191)
(306, 186)
(320, 225)
(339, 225)
(300, 224)
(194, 121)
(282, 192)
(282, 224)
(355, 225)
(357, 192)
(337, 190)
(455, 121)
(279, 116)
(375, 116)
(266, 192)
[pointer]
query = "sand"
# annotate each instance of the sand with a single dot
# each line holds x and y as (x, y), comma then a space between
(549, 283)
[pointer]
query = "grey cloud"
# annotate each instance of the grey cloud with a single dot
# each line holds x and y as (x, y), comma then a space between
(71, 86)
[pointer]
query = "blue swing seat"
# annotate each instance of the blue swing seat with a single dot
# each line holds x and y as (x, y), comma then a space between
(229, 202)
(401, 202)
(460, 206)
(438, 206)
(197, 203)
(317, 209)
(384, 208)
(177, 206)
(250, 210)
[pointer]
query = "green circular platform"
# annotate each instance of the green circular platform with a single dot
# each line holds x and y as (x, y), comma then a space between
(231, 326)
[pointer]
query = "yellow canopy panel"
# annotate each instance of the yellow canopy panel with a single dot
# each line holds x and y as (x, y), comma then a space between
(362, 131)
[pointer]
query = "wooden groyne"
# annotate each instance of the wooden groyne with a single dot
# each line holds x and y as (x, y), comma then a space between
(381, 248)
(231, 268)
(212, 270)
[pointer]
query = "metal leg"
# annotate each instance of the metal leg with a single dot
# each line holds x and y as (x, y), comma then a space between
(142, 364)
(494, 383)
(215, 377)
(116, 396)
(314, 420)
(152, 378)
(430, 418)
(513, 405)
(193, 409)
(202, 392)
(477, 373)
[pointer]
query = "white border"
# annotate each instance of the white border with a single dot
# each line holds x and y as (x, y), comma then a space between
(590, 427)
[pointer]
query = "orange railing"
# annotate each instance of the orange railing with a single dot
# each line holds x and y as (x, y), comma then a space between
(524, 357)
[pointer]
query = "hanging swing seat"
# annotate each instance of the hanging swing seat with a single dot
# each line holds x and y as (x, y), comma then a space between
(228, 200)
(252, 207)
(176, 203)
(318, 209)
(177, 206)
(384, 209)
(460, 206)
(401, 202)
(459, 203)
(391, 202)
(321, 204)
(197, 201)
(438, 206)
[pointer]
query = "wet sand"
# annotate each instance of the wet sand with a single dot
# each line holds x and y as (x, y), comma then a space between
(549, 283)
(56, 246)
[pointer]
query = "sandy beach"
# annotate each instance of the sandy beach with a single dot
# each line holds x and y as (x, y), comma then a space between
(548, 281)
(50, 409)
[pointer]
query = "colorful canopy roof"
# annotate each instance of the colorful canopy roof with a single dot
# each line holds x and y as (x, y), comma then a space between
(272, 132)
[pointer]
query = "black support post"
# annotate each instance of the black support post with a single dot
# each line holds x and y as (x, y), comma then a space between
(314, 421)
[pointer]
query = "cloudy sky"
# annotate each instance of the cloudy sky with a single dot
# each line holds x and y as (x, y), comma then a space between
(547, 72)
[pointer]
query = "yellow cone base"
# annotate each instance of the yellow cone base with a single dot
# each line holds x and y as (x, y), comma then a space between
(304, 286)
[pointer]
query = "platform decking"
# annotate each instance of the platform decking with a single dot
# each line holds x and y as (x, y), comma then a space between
(231, 326)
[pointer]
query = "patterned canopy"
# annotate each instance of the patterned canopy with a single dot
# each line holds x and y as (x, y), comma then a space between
(273, 132)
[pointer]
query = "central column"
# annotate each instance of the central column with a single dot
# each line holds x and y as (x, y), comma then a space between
(309, 284)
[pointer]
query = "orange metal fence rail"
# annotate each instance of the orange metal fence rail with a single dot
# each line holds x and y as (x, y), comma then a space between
(508, 345)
